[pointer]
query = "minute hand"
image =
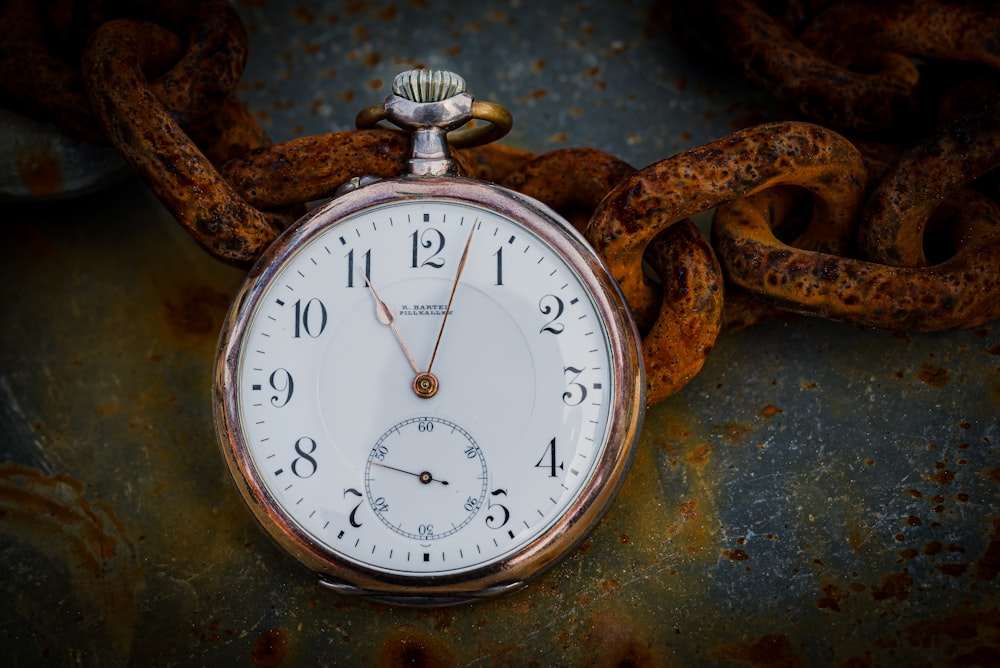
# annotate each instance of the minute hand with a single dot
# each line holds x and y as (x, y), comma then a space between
(451, 298)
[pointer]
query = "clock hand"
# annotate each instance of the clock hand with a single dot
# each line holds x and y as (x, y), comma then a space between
(424, 476)
(451, 298)
(384, 315)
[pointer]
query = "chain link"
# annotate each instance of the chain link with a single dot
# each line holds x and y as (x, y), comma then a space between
(805, 219)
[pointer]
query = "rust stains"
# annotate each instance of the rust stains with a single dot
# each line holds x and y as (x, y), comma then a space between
(49, 515)
(699, 455)
(410, 648)
(772, 650)
(894, 586)
(769, 411)
(732, 432)
(39, 170)
(195, 310)
(934, 376)
(831, 599)
(612, 640)
(271, 648)
(942, 477)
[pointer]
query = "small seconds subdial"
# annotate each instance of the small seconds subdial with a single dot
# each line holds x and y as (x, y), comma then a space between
(426, 478)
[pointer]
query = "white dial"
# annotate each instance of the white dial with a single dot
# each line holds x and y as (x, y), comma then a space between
(424, 388)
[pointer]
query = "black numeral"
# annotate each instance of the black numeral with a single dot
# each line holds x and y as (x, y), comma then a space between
(432, 240)
(309, 318)
(497, 514)
(549, 460)
(281, 381)
(353, 518)
(577, 391)
(367, 257)
(553, 306)
(499, 256)
(304, 465)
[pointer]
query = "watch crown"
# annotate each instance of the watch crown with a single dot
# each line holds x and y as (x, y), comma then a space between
(427, 85)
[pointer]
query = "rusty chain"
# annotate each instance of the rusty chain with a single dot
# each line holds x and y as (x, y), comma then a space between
(903, 236)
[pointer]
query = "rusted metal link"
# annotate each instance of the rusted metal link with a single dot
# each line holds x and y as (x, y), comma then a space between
(698, 179)
(48, 87)
(770, 56)
(233, 211)
(573, 181)
(850, 66)
(691, 313)
(959, 292)
(290, 172)
(895, 217)
(960, 31)
(212, 63)
(191, 76)
(878, 158)
(966, 217)
(969, 96)
(492, 162)
(228, 132)
(153, 143)
(311, 168)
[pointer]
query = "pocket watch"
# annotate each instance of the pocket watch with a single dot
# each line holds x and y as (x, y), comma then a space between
(429, 389)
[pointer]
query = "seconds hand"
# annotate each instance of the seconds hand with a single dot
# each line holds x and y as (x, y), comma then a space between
(425, 477)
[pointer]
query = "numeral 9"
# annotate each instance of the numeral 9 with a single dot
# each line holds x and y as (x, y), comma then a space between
(281, 381)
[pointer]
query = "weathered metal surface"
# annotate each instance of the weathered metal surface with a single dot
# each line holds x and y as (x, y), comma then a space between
(819, 494)
(39, 162)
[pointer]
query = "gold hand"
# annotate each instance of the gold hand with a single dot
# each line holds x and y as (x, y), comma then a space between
(454, 287)
(384, 315)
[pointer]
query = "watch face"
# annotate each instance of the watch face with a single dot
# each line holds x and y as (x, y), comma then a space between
(419, 390)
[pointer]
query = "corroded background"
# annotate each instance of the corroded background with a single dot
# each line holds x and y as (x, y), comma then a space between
(820, 494)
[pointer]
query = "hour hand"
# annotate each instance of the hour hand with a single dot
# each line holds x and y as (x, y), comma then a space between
(384, 315)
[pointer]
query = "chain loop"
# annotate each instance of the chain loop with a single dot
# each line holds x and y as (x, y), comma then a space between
(47, 86)
(153, 143)
(211, 65)
(698, 179)
(958, 31)
(959, 292)
(895, 216)
(671, 190)
(190, 79)
(770, 56)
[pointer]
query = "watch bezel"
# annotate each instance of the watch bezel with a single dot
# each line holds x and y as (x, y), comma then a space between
(512, 571)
